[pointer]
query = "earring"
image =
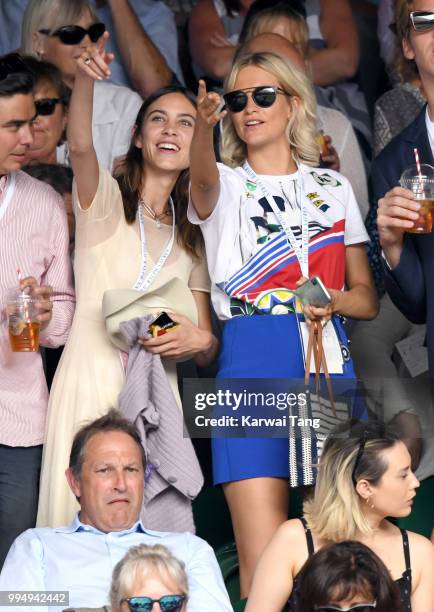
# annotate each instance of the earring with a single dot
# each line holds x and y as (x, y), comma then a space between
(369, 502)
(40, 55)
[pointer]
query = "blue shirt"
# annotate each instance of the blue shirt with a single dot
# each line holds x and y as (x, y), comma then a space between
(80, 559)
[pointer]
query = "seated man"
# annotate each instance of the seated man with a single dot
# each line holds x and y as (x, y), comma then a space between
(106, 473)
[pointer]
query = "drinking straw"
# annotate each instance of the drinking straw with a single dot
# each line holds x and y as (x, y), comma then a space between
(27, 314)
(419, 171)
(416, 157)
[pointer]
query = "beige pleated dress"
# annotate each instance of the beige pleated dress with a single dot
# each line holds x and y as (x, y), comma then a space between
(90, 374)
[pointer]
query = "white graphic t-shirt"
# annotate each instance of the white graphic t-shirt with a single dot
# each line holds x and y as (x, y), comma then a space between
(252, 266)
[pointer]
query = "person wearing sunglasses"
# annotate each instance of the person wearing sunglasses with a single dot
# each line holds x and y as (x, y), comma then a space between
(51, 102)
(364, 477)
(347, 577)
(34, 238)
(343, 152)
(58, 31)
(409, 278)
(149, 579)
(250, 210)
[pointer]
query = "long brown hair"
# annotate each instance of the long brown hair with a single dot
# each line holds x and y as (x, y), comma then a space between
(129, 175)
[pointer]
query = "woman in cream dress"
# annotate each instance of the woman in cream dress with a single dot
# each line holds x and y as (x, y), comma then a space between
(123, 236)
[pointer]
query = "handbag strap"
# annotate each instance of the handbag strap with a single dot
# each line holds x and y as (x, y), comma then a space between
(315, 349)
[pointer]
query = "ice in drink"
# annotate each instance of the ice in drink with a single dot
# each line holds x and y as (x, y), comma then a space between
(23, 335)
(423, 225)
(23, 321)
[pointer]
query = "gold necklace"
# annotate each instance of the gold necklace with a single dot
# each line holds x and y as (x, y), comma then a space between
(154, 216)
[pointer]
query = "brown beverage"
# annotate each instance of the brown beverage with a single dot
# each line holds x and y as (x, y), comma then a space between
(423, 225)
(23, 335)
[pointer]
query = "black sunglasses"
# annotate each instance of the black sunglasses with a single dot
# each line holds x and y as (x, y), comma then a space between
(73, 34)
(264, 96)
(367, 607)
(12, 63)
(362, 445)
(422, 20)
(168, 603)
(46, 106)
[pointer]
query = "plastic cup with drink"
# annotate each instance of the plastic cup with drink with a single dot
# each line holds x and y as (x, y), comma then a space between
(23, 323)
(419, 179)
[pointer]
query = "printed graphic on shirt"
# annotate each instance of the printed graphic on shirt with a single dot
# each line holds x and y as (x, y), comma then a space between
(318, 202)
(266, 225)
(264, 281)
(253, 268)
(325, 179)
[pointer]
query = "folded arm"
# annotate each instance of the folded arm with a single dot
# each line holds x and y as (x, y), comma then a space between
(205, 29)
(144, 63)
(340, 59)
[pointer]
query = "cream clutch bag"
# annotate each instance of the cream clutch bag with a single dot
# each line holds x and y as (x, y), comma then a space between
(120, 305)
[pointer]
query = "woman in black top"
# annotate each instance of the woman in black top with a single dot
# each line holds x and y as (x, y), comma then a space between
(363, 478)
(346, 576)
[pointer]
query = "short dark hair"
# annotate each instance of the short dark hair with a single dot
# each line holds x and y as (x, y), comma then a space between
(15, 76)
(45, 72)
(59, 177)
(344, 570)
(112, 421)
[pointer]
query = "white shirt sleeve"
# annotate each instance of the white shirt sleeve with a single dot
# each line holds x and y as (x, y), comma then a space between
(23, 570)
(355, 231)
(229, 197)
(207, 589)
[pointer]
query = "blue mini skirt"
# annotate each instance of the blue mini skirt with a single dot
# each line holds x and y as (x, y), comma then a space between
(255, 347)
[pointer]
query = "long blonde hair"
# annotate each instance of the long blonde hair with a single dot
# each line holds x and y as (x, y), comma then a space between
(301, 129)
(335, 511)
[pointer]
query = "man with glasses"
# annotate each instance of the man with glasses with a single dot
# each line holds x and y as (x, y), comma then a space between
(107, 474)
(34, 239)
(408, 257)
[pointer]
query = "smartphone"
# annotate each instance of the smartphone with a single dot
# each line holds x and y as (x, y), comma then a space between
(161, 325)
(313, 293)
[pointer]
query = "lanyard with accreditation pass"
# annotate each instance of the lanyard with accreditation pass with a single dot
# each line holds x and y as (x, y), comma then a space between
(144, 280)
(301, 251)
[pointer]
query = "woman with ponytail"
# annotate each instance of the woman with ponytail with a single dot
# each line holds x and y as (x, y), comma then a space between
(132, 239)
(364, 477)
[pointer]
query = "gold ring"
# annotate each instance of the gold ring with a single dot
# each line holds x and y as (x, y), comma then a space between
(87, 61)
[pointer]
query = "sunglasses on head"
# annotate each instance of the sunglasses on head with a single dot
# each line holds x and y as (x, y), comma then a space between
(264, 97)
(73, 34)
(46, 106)
(12, 63)
(367, 607)
(422, 20)
(362, 444)
(168, 603)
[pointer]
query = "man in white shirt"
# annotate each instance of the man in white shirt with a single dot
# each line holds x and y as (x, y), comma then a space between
(106, 473)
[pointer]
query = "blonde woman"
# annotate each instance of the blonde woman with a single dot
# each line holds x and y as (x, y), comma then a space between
(59, 31)
(149, 575)
(269, 217)
(362, 480)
